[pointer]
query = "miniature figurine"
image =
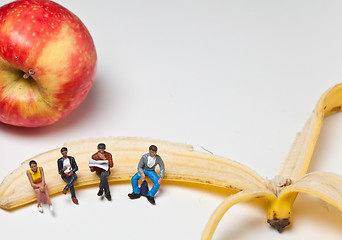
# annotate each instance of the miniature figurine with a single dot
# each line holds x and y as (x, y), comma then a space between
(37, 181)
(103, 173)
(146, 167)
(67, 168)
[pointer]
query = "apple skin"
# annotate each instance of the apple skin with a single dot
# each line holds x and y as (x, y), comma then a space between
(43, 36)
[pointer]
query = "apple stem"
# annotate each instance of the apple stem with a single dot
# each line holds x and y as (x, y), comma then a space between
(29, 73)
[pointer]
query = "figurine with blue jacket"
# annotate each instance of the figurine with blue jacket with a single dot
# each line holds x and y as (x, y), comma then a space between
(67, 168)
(146, 167)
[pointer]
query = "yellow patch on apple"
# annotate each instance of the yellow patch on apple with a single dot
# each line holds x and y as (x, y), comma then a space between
(54, 59)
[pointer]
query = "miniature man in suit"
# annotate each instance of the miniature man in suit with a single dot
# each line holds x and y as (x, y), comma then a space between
(146, 167)
(101, 154)
(67, 168)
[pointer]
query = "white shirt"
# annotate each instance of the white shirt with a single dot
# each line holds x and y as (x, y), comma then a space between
(151, 161)
(66, 163)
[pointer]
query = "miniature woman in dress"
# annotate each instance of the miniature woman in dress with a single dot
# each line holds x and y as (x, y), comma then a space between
(37, 181)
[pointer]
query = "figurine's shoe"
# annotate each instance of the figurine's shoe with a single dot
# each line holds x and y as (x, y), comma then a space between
(109, 197)
(64, 191)
(133, 195)
(74, 200)
(51, 208)
(100, 193)
(151, 200)
(40, 209)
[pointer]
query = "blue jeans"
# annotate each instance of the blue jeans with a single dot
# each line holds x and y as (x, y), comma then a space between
(154, 178)
(70, 184)
(103, 181)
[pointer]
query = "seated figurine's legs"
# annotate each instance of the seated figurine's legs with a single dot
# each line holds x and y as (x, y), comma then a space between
(39, 194)
(154, 178)
(72, 191)
(42, 196)
(104, 182)
(134, 182)
(70, 183)
(67, 180)
(47, 196)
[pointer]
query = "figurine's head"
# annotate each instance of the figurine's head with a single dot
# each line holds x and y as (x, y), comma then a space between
(101, 147)
(64, 152)
(33, 165)
(153, 150)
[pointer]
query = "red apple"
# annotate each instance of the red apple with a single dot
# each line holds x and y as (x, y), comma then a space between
(47, 62)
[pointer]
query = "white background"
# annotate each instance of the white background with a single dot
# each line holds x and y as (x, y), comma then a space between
(239, 78)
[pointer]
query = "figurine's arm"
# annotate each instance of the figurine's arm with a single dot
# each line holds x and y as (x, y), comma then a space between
(142, 176)
(74, 165)
(110, 160)
(42, 185)
(141, 168)
(60, 167)
(162, 170)
(162, 167)
(30, 179)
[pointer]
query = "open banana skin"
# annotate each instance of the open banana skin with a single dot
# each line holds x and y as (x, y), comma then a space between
(182, 164)
(185, 165)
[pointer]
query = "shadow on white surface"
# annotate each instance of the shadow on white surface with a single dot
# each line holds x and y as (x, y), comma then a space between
(312, 219)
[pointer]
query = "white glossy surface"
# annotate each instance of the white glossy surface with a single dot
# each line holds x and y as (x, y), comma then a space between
(239, 78)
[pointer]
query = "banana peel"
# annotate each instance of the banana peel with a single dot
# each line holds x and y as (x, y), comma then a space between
(293, 177)
(185, 165)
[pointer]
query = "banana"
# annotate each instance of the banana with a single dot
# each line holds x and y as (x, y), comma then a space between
(245, 195)
(185, 165)
(293, 177)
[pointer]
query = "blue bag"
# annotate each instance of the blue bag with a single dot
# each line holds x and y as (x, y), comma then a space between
(144, 188)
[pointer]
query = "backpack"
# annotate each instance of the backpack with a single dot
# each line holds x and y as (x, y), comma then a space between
(144, 188)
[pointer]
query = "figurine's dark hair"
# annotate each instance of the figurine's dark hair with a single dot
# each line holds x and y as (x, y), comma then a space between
(64, 149)
(32, 162)
(153, 148)
(101, 146)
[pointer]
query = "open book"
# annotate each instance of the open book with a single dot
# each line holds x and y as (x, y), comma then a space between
(99, 163)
